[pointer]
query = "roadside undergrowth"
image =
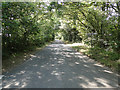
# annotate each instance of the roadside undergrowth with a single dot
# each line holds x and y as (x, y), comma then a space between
(17, 58)
(107, 58)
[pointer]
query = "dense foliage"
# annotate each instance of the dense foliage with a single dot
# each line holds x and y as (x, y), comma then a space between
(97, 24)
(25, 25)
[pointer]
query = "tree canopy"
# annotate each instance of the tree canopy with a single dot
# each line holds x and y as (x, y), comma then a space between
(26, 24)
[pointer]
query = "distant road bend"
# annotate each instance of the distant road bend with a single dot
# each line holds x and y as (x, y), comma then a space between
(59, 66)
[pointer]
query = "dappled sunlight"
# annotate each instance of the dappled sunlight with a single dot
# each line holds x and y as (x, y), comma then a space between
(35, 65)
(57, 74)
(86, 66)
(39, 77)
(77, 63)
(21, 72)
(32, 55)
(77, 53)
(24, 84)
(61, 62)
(59, 66)
(31, 59)
(93, 84)
(38, 73)
(103, 81)
(75, 44)
(108, 71)
(52, 65)
(7, 86)
(17, 83)
(99, 65)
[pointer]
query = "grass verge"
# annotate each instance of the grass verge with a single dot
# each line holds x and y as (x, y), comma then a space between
(107, 58)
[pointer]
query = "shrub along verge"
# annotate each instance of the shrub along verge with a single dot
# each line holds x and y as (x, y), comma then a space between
(107, 58)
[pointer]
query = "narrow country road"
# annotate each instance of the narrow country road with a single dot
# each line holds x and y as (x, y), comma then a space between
(59, 66)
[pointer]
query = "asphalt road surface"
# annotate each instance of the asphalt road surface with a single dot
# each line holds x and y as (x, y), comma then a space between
(59, 66)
